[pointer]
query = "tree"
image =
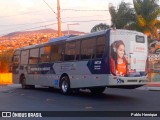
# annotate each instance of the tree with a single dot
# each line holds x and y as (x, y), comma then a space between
(146, 12)
(100, 27)
(123, 16)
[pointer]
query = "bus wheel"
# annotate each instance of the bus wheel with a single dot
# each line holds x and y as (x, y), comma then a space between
(65, 85)
(23, 82)
(97, 90)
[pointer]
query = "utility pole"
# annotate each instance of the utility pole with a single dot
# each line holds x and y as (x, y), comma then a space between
(59, 18)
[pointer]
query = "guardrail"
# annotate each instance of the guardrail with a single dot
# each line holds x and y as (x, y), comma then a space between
(5, 78)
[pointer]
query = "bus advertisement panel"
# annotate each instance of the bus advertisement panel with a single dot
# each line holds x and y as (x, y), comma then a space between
(128, 51)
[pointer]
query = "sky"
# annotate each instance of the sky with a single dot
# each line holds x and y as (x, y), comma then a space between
(28, 15)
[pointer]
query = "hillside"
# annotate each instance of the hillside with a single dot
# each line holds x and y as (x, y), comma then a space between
(42, 31)
(25, 38)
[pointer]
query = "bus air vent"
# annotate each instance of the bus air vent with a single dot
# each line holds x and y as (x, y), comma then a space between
(131, 80)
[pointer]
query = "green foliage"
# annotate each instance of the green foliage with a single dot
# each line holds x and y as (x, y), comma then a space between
(100, 27)
(146, 12)
(123, 16)
(142, 18)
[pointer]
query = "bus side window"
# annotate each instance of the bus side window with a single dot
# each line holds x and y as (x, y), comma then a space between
(54, 53)
(77, 50)
(100, 47)
(57, 52)
(70, 51)
(34, 56)
(87, 48)
(61, 52)
(45, 54)
(16, 58)
(24, 57)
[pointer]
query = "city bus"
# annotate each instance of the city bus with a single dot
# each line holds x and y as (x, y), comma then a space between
(112, 58)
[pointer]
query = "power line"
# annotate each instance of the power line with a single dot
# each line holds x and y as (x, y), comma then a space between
(45, 10)
(50, 7)
(32, 28)
(85, 21)
(57, 15)
(39, 27)
(54, 24)
(21, 14)
(27, 23)
(62, 22)
(83, 16)
(83, 10)
(53, 11)
(23, 24)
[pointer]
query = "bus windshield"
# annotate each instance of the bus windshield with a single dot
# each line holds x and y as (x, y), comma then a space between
(128, 53)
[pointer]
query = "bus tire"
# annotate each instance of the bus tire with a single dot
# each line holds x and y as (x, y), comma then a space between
(65, 85)
(97, 90)
(23, 82)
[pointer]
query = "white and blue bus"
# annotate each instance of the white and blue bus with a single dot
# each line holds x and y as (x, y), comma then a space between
(110, 58)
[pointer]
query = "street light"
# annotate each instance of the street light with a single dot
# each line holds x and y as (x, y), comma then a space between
(71, 24)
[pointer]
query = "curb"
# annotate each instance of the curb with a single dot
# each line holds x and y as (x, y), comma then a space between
(153, 86)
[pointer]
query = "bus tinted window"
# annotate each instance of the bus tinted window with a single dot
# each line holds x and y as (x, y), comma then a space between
(45, 54)
(24, 57)
(140, 39)
(87, 48)
(77, 50)
(100, 48)
(16, 57)
(70, 51)
(57, 52)
(34, 56)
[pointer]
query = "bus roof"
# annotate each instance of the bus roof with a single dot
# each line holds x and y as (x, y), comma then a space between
(61, 38)
(75, 37)
(64, 38)
(87, 35)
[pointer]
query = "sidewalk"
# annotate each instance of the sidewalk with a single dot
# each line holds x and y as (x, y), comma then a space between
(9, 87)
(151, 86)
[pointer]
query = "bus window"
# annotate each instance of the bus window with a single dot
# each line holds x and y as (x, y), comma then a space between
(45, 54)
(100, 47)
(16, 57)
(70, 51)
(87, 48)
(77, 50)
(57, 52)
(34, 56)
(24, 57)
(61, 51)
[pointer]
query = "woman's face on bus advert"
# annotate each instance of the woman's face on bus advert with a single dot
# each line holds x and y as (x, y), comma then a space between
(120, 51)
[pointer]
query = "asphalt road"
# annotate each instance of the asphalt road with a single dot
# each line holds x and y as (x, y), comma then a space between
(13, 98)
